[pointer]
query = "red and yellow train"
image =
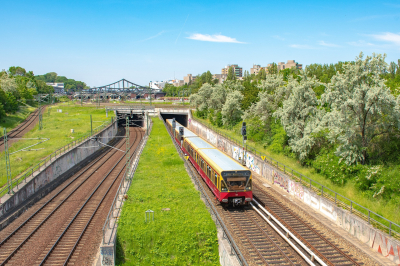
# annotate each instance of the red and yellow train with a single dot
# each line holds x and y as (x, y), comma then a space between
(229, 181)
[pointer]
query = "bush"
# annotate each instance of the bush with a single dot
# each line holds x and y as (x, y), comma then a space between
(332, 167)
(2, 112)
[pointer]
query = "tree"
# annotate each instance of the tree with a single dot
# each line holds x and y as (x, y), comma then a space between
(272, 69)
(300, 116)
(17, 71)
(262, 75)
(201, 98)
(270, 96)
(231, 74)
(233, 85)
(2, 112)
(231, 111)
(50, 77)
(217, 98)
(208, 78)
(362, 107)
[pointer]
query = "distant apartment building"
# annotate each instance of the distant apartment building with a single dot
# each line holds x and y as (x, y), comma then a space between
(289, 64)
(221, 77)
(189, 79)
(257, 68)
(236, 69)
(178, 82)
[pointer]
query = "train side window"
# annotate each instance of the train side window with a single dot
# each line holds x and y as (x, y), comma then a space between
(223, 185)
(216, 179)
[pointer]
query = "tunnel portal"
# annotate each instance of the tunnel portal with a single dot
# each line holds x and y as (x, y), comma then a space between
(180, 118)
(135, 119)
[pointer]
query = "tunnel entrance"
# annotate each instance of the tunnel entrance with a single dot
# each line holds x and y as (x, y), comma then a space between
(135, 120)
(180, 118)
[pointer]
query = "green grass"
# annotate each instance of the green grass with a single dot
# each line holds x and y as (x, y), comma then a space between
(12, 120)
(185, 235)
(57, 127)
(389, 210)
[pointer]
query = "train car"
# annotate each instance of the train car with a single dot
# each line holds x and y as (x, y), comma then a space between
(229, 181)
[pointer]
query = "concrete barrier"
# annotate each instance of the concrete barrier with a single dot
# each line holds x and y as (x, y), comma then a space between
(51, 176)
(364, 232)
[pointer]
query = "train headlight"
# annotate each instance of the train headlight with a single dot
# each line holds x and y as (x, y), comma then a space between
(225, 200)
(248, 199)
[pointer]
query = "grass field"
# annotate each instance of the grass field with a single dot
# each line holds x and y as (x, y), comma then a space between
(184, 235)
(12, 120)
(57, 127)
(389, 210)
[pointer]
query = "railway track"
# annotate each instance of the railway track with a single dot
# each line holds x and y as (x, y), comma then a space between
(260, 244)
(21, 129)
(57, 233)
(323, 247)
(263, 244)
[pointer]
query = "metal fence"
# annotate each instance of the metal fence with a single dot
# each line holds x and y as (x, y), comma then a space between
(47, 161)
(373, 218)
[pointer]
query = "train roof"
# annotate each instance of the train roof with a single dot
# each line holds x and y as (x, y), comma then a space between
(186, 132)
(220, 161)
(200, 143)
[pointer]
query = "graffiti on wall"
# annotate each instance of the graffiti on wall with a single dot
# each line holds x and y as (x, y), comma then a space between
(385, 246)
(296, 189)
(250, 163)
(281, 181)
(268, 173)
(211, 137)
(221, 144)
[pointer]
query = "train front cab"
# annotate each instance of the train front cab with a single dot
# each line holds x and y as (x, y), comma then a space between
(232, 186)
(238, 189)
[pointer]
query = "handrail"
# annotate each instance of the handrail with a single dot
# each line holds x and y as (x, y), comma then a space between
(392, 228)
(30, 171)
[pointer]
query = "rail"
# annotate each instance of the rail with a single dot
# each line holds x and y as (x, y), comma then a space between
(373, 218)
(8, 188)
(123, 188)
(210, 206)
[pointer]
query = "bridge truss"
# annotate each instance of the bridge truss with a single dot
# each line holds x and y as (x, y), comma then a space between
(119, 89)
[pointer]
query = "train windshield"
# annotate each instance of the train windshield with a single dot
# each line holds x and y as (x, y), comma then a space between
(236, 183)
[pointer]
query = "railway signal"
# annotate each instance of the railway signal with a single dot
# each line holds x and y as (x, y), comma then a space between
(244, 141)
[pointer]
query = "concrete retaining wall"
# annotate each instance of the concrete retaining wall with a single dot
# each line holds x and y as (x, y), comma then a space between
(365, 233)
(58, 166)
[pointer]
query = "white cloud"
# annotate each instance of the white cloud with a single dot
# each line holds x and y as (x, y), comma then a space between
(389, 37)
(301, 46)
(212, 38)
(328, 44)
(361, 43)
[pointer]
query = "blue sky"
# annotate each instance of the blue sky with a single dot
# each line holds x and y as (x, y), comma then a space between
(100, 42)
